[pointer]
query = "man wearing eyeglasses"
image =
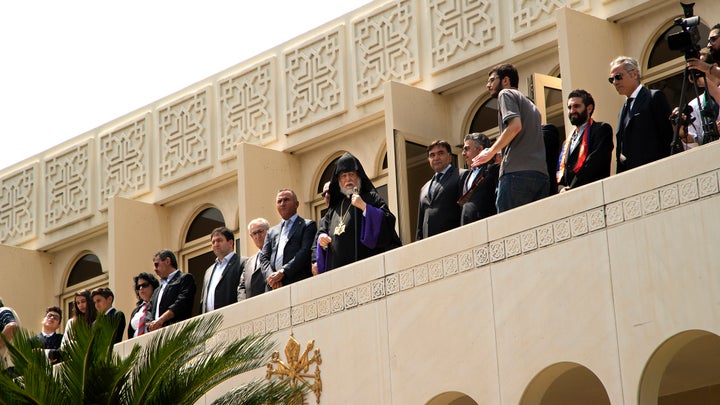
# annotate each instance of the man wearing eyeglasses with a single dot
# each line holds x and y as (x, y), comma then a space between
(173, 301)
(47, 338)
(223, 276)
(523, 171)
(644, 131)
(714, 41)
(253, 280)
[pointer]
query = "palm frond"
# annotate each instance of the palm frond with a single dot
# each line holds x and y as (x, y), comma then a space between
(216, 364)
(36, 383)
(179, 365)
(166, 353)
(92, 370)
(262, 393)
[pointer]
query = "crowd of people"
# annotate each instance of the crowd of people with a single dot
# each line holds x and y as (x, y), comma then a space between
(525, 163)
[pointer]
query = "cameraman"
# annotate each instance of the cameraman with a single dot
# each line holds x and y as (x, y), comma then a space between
(714, 45)
(692, 132)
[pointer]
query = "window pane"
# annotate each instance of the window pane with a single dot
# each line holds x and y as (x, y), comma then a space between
(86, 268)
(204, 223)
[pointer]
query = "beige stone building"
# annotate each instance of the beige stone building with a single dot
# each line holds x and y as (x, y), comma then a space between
(606, 294)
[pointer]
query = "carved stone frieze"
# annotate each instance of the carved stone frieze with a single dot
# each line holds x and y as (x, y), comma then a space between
(184, 137)
(18, 199)
(462, 29)
(314, 80)
(124, 162)
(67, 187)
(386, 48)
(247, 108)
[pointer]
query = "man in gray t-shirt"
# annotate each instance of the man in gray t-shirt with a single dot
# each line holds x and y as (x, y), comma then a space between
(523, 173)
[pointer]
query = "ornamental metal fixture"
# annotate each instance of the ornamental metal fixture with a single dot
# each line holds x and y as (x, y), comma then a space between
(296, 368)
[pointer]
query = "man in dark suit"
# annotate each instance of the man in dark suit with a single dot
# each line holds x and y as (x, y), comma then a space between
(253, 281)
(438, 210)
(47, 338)
(586, 155)
(222, 278)
(479, 184)
(173, 301)
(644, 130)
(285, 256)
(103, 298)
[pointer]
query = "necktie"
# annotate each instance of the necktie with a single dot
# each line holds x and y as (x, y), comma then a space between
(626, 110)
(471, 178)
(434, 182)
(143, 318)
(573, 140)
(284, 230)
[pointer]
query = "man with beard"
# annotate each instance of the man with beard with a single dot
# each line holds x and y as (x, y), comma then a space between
(358, 223)
(586, 155)
(523, 171)
(713, 45)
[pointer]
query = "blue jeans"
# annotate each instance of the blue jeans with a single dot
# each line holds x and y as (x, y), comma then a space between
(520, 188)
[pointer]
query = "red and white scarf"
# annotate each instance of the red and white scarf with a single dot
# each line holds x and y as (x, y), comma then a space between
(582, 154)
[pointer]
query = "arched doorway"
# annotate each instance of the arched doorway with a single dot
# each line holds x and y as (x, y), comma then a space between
(685, 369)
(565, 383)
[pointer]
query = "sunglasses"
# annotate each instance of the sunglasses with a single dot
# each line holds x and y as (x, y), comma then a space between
(142, 285)
(616, 76)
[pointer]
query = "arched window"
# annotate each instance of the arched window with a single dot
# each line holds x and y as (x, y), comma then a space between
(486, 118)
(85, 274)
(86, 268)
(207, 220)
(657, 75)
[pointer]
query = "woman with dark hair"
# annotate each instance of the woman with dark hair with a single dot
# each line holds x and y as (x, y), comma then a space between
(83, 309)
(144, 284)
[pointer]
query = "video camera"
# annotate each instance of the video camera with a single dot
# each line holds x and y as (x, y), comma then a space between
(687, 39)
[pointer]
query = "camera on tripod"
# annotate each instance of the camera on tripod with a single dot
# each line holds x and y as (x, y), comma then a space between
(687, 40)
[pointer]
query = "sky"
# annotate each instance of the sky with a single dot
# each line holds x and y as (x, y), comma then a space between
(67, 67)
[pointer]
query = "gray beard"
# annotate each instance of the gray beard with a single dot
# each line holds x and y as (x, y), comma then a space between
(348, 192)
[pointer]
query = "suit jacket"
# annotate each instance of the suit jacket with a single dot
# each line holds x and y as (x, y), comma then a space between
(113, 315)
(597, 162)
(648, 133)
(252, 279)
(179, 297)
(438, 211)
(226, 290)
(481, 203)
(296, 255)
